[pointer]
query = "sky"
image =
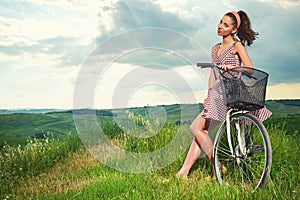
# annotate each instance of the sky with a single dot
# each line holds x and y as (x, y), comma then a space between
(117, 53)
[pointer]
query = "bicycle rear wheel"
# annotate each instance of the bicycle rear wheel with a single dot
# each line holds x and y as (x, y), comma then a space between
(250, 167)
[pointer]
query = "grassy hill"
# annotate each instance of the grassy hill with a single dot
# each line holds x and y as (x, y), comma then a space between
(16, 128)
(52, 169)
(284, 107)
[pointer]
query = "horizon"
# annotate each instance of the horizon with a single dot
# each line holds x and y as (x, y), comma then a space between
(158, 105)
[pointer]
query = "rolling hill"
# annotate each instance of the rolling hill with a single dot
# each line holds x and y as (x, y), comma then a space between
(16, 128)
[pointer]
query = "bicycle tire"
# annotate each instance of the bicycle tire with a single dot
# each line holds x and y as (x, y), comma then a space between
(249, 170)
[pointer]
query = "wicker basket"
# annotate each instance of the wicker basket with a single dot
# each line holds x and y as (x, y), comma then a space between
(244, 88)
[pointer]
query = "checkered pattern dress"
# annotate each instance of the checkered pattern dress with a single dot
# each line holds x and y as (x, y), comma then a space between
(214, 107)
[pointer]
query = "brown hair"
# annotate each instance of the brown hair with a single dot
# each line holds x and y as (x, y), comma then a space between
(244, 32)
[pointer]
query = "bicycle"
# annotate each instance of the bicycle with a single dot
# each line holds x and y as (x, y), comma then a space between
(242, 145)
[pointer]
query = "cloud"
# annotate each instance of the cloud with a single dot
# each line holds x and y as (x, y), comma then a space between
(278, 43)
(148, 85)
(283, 4)
(28, 31)
(43, 43)
(37, 87)
(198, 21)
(51, 28)
(128, 15)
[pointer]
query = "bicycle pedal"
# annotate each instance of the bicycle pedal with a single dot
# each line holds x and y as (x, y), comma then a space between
(257, 148)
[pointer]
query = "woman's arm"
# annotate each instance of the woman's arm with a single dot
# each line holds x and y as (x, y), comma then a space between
(212, 78)
(241, 51)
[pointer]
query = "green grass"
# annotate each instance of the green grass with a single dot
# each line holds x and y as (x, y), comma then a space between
(64, 169)
(32, 159)
(290, 124)
(15, 129)
(61, 168)
(284, 107)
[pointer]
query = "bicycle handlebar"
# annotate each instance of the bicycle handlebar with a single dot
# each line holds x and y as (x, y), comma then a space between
(207, 65)
(211, 65)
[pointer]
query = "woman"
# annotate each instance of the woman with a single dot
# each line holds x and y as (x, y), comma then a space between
(230, 53)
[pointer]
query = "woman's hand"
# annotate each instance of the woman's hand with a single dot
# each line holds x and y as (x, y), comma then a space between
(226, 67)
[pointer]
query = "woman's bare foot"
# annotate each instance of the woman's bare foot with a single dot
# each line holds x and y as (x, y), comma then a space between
(182, 174)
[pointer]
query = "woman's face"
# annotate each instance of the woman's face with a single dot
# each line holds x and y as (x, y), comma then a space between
(225, 26)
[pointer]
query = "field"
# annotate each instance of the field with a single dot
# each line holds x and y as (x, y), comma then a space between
(42, 157)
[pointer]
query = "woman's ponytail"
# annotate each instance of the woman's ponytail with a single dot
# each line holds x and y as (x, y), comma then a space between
(245, 32)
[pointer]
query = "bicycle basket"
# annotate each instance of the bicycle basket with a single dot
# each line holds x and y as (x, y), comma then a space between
(244, 88)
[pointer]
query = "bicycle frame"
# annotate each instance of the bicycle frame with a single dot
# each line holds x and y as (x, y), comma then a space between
(241, 134)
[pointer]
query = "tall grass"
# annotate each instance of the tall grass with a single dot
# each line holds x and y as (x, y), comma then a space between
(286, 162)
(79, 176)
(143, 135)
(32, 159)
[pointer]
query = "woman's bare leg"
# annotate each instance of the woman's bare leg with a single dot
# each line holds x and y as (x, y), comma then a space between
(202, 141)
(205, 142)
(192, 156)
(199, 129)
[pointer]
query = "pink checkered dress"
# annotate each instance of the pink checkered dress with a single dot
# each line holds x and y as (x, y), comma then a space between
(214, 107)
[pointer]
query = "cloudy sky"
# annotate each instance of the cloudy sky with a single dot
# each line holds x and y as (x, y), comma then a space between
(47, 47)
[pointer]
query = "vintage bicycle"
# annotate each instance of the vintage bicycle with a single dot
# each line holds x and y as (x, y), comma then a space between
(242, 149)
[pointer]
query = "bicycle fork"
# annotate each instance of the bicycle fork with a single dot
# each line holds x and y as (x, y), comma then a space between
(241, 150)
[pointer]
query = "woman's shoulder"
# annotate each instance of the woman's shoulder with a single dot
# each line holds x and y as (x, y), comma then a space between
(238, 43)
(215, 46)
(238, 46)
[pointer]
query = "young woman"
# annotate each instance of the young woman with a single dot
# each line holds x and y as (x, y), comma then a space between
(230, 53)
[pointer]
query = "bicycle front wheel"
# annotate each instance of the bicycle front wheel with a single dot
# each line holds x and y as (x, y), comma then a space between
(248, 161)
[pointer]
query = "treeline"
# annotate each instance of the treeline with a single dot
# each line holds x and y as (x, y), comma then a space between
(288, 102)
